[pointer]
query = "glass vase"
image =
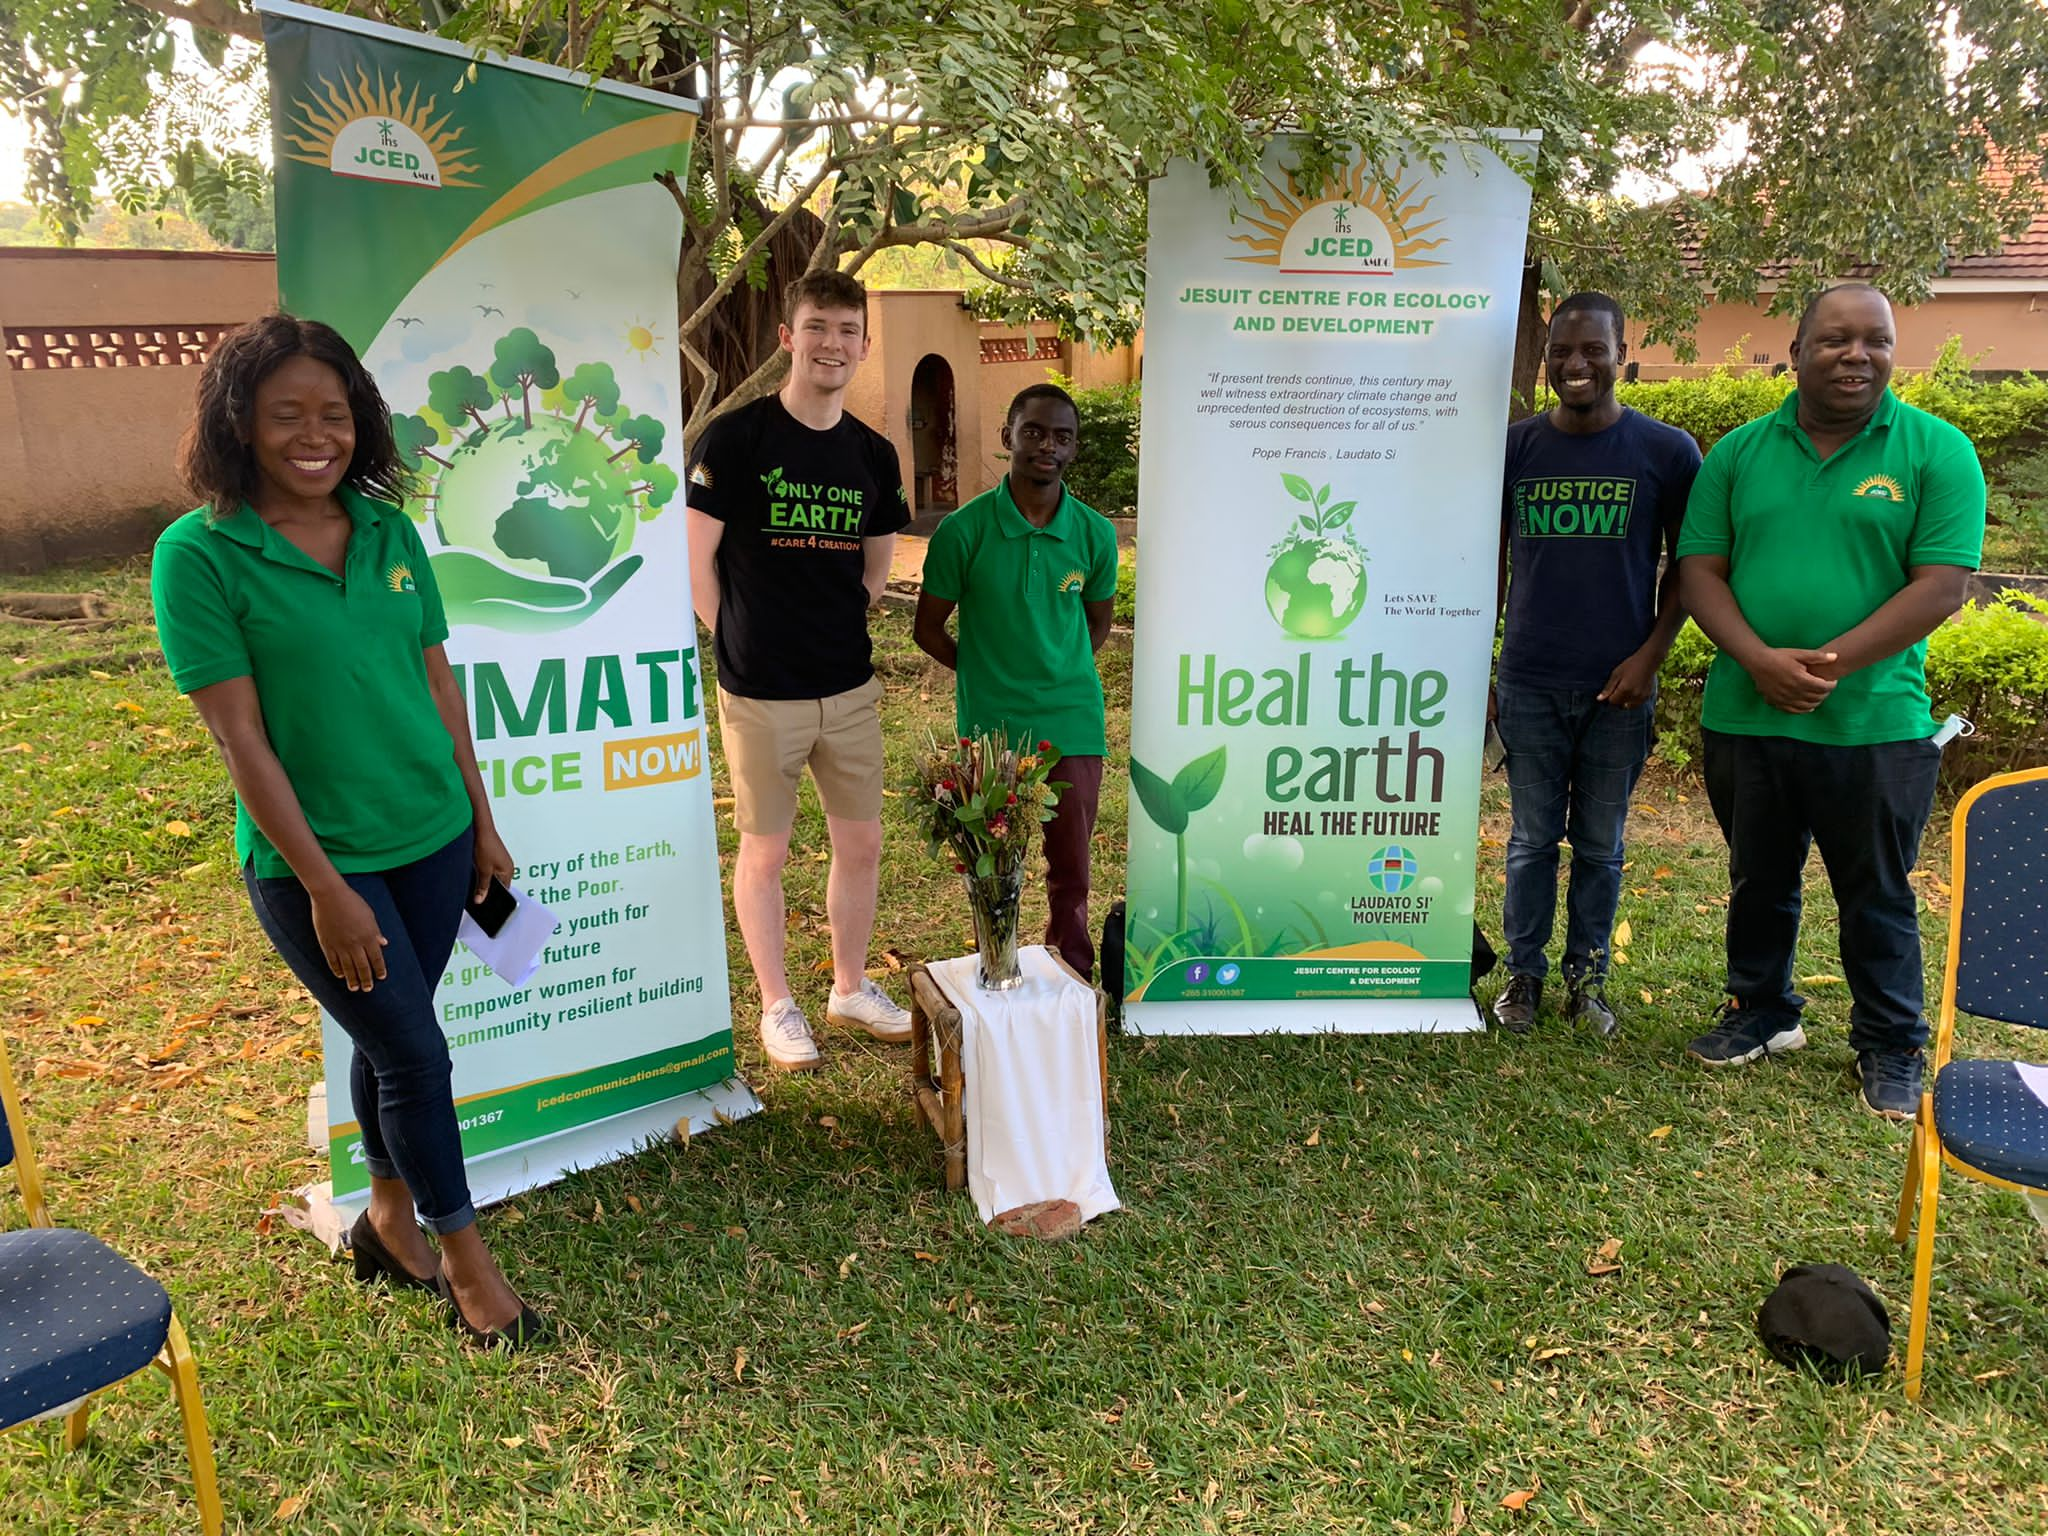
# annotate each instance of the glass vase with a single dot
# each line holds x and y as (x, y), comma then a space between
(995, 902)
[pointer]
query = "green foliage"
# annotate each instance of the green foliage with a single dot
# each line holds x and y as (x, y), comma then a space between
(1126, 586)
(2001, 416)
(1105, 469)
(1989, 664)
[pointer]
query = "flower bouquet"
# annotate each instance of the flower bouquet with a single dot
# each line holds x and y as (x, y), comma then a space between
(980, 799)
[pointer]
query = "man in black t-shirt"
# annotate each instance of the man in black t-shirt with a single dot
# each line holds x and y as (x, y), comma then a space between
(1593, 496)
(794, 509)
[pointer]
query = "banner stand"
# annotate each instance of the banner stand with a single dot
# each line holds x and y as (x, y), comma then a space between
(1328, 356)
(491, 237)
(498, 1177)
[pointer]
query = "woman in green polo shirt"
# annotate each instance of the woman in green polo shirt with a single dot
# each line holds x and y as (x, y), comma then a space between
(298, 610)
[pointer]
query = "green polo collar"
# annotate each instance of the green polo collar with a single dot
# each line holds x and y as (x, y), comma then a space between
(244, 526)
(1880, 419)
(1015, 525)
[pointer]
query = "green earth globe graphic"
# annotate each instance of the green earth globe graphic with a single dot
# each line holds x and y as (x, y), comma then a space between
(542, 499)
(1315, 587)
(1392, 870)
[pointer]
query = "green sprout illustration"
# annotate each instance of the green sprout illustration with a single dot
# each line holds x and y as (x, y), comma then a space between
(1171, 804)
(1315, 585)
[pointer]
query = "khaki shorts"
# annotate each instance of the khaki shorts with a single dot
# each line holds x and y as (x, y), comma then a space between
(768, 742)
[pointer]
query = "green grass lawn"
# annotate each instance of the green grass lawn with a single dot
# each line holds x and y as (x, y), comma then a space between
(1350, 1290)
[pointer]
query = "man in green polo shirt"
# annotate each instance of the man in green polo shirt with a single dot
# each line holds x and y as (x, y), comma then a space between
(1822, 545)
(1033, 572)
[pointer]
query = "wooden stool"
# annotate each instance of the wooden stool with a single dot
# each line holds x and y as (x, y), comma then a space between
(935, 1043)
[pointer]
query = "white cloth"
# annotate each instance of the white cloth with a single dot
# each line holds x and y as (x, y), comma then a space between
(1033, 1087)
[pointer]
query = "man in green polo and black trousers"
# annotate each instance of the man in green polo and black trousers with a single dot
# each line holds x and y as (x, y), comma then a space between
(1822, 545)
(1033, 572)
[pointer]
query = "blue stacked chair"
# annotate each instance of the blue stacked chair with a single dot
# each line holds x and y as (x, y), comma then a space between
(1985, 1118)
(76, 1318)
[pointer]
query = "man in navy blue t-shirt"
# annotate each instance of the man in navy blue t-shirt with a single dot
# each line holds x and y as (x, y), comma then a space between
(1594, 493)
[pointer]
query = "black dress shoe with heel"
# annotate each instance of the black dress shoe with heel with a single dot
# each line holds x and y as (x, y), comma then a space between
(528, 1328)
(374, 1259)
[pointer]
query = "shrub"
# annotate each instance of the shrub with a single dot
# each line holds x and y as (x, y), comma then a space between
(1105, 469)
(1989, 664)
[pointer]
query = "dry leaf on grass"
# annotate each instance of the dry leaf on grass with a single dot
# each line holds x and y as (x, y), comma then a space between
(739, 1364)
(929, 1258)
(1822, 980)
(1623, 934)
(290, 1505)
(633, 1204)
(178, 828)
(1607, 1260)
(1315, 1138)
(1519, 1499)
(846, 1264)
(1660, 1133)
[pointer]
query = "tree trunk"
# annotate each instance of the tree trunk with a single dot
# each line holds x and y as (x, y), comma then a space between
(744, 330)
(1530, 335)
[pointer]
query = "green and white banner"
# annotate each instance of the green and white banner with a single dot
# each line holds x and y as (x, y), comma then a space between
(489, 236)
(1326, 380)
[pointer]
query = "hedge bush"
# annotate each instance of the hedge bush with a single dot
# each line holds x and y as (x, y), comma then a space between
(2000, 416)
(1105, 469)
(1989, 664)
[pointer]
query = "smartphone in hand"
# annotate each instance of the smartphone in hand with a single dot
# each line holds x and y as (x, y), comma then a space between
(494, 908)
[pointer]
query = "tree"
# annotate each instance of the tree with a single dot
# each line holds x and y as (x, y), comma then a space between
(833, 134)
(594, 387)
(642, 437)
(454, 393)
(659, 488)
(520, 361)
(416, 438)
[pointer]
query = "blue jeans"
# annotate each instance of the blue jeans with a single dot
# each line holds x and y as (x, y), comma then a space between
(1572, 764)
(1866, 807)
(400, 1077)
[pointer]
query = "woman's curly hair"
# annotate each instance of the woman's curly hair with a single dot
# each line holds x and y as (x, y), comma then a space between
(215, 459)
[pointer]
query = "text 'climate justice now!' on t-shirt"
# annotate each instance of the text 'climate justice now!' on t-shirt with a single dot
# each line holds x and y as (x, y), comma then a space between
(1586, 516)
(796, 504)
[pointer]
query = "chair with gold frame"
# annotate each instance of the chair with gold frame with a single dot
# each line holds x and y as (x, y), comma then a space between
(76, 1318)
(1985, 1119)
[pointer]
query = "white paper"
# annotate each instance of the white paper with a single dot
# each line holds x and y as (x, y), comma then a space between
(515, 953)
(2035, 1078)
(1033, 1087)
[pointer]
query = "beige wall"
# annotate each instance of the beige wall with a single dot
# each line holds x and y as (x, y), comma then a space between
(2008, 331)
(86, 453)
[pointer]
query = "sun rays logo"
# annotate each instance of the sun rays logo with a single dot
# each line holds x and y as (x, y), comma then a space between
(1353, 225)
(1073, 581)
(378, 132)
(1882, 488)
(399, 578)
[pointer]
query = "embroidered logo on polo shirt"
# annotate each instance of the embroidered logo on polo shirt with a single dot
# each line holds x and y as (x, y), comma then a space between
(700, 474)
(1073, 581)
(399, 578)
(1881, 487)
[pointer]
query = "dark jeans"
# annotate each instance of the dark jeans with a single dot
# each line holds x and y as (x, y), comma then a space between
(399, 1079)
(1572, 764)
(1866, 807)
(1069, 837)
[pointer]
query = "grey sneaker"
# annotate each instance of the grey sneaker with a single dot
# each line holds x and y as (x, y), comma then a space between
(1738, 1038)
(1515, 1009)
(1890, 1082)
(872, 1010)
(786, 1037)
(1586, 1003)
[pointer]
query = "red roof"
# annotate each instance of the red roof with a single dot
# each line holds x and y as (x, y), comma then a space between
(2024, 256)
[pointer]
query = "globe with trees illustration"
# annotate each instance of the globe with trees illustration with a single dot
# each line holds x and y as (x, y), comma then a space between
(535, 483)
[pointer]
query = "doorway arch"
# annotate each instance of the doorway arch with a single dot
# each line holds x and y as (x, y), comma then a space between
(934, 446)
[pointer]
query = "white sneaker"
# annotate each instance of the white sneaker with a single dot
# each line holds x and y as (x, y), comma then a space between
(870, 1009)
(786, 1037)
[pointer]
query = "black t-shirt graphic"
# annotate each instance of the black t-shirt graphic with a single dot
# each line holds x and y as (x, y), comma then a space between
(796, 503)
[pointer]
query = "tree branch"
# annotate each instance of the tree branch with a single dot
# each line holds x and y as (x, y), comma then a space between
(974, 261)
(213, 15)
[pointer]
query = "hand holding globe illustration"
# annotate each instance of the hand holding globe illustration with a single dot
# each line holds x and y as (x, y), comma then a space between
(535, 510)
